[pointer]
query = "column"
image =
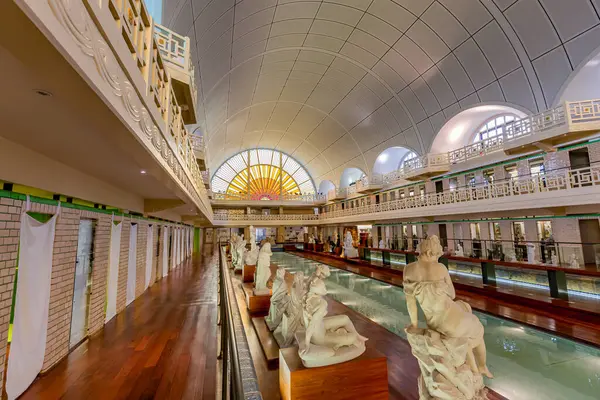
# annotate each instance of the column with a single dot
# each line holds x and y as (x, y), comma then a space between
(281, 234)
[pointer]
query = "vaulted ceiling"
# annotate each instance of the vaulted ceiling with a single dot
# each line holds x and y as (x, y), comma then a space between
(333, 83)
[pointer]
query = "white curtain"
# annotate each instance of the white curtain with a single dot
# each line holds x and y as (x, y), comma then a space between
(165, 252)
(113, 271)
(131, 266)
(148, 257)
(31, 307)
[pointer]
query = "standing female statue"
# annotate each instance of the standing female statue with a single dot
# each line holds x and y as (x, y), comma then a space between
(292, 316)
(279, 300)
(263, 270)
(456, 329)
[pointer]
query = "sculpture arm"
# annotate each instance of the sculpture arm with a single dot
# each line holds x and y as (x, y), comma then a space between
(411, 304)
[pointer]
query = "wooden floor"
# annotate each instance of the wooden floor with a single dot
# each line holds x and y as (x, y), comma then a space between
(570, 324)
(163, 346)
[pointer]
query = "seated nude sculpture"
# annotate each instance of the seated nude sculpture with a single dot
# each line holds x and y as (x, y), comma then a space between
(349, 250)
(291, 320)
(279, 300)
(451, 351)
(326, 340)
(263, 270)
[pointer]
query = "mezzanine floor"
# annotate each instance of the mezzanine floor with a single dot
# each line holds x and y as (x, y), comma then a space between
(163, 346)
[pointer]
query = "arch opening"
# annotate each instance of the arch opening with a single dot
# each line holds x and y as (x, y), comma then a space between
(462, 129)
(350, 176)
(390, 159)
(325, 186)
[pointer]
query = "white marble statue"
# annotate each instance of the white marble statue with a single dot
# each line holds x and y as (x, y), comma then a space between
(240, 249)
(459, 251)
(311, 239)
(554, 259)
(263, 270)
(573, 261)
(232, 246)
(381, 244)
(326, 340)
(349, 250)
(251, 256)
(531, 253)
(279, 300)
(450, 351)
(291, 320)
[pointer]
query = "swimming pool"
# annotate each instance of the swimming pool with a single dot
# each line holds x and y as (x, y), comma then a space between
(527, 364)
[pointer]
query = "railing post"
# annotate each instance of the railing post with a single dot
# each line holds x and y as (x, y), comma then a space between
(488, 273)
(557, 280)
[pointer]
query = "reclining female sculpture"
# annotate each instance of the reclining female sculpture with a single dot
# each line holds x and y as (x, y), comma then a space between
(451, 351)
(263, 270)
(292, 317)
(279, 300)
(327, 340)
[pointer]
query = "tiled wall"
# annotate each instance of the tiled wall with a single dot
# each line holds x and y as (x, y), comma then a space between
(63, 271)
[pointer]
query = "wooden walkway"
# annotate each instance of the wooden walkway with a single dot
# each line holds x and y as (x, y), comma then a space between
(163, 346)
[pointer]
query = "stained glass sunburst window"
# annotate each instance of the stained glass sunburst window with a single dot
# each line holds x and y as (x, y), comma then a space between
(263, 174)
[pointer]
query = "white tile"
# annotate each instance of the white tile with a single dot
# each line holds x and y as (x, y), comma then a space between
(474, 62)
(377, 87)
(390, 76)
(399, 113)
(402, 67)
(284, 41)
(552, 70)
(360, 4)
(316, 57)
(301, 25)
(445, 25)
(570, 17)
(392, 13)
(469, 101)
(296, 10)
(533, 27)
(456, 76)
(427, 40)
(379, 28)
(415, 6)
(582, 46)
(440, 87)
(254, 21)
(517, 90)
(339, 13)
(412, 103)
(414, 54)
(491, 93)
(330, 28)
(504, 4)
(257, 35)
(497, 49)
(323, 42)
(369, 43)
(246, 8)
(437, 121)
(359, 55)
(349, 68)
(425, 96)
(471, 13)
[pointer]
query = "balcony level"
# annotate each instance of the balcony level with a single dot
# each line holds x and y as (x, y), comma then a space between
(175, 52)
(569, 122)
(288, 200)
(425, 167)
(370, 184)
(201, 153)
(336, 194)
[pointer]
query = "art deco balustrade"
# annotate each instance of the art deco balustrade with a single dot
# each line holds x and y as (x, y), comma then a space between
(263, 217)
(551, 182)
(304, 198)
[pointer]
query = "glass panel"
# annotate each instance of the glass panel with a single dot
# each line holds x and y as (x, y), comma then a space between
(83, 282)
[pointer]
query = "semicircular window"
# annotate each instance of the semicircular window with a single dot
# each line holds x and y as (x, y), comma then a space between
(263, 175)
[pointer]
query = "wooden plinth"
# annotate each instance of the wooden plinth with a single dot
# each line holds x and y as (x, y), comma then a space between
(364, 377)
(237, 271)
(268, 343)
(257, 305)
(248, 273)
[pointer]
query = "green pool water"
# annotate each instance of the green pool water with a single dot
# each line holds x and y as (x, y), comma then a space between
(527, 364)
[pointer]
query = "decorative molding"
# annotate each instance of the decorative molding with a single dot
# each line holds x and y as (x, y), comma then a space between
(77, 22)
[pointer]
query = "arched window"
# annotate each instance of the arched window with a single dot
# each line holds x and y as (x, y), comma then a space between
(494, 127)
(263, 175)
(409, 156)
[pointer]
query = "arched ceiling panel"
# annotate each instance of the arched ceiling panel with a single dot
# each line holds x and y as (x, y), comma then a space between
(370, 72)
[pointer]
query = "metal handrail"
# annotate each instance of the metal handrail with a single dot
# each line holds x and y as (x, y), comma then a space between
(232, 376)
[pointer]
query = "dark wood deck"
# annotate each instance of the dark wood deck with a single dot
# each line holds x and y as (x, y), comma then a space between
(537, 311)
(163, 346)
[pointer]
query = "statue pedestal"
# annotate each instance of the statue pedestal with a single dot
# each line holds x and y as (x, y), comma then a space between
(364, 377)
(268, 344)
(248, 273)
(257, 305)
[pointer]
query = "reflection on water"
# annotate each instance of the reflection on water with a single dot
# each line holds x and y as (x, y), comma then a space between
(527, 364)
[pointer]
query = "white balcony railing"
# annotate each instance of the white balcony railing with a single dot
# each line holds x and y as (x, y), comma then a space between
(267, 217)
(302, 198)
(533, 124)
(551, 182)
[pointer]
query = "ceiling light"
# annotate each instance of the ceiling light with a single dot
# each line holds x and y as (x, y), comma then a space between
(143, 172)
(42, 92)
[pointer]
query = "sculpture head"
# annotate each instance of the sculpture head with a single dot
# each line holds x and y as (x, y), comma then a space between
(430, 249)
(280, 274)
(266, 248)
(318, 288)
(322, 271)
